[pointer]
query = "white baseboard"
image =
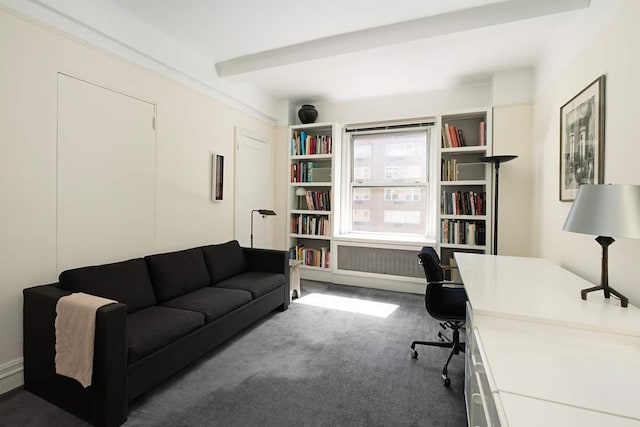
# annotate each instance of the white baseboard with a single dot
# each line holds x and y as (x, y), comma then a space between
(11, 375)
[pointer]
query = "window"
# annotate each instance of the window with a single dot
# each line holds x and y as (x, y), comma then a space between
(388, 182)
(402, 194)
(361, 215)
(362, 172)
(402, 217)
(361, 194)
(400, 172)
(362, 152)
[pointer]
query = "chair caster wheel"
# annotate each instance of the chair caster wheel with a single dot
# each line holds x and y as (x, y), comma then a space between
(414, 354)
(447, 382)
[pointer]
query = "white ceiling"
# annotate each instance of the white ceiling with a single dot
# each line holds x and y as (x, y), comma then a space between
(301, 50)
(260, 53)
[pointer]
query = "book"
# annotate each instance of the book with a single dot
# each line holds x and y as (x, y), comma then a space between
(446, 136)
(461, 138)
(454, 137)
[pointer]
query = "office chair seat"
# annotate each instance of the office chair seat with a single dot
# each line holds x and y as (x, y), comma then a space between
(444, 303)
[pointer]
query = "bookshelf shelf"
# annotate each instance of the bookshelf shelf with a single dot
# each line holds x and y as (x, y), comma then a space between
(465, 183)
(308, 212)
(459, 150)
(312, 157)
(311, 184)
(467, 217)
(310, 236)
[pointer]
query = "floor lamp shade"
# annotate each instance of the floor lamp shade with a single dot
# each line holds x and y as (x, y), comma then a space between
(605, 211)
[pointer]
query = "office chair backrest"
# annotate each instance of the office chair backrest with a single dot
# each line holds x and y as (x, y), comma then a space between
(431, 264)
(441, 303)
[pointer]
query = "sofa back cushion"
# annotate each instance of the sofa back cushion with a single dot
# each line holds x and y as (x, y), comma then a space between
(127, 282)
(225, 260)
(177, 273)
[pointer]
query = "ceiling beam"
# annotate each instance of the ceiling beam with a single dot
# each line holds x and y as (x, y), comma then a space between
(402, 32)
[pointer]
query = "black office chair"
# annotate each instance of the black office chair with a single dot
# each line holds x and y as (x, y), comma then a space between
(444, 303)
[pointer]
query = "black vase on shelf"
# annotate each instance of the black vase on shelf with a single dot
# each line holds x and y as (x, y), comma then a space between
(307, 114)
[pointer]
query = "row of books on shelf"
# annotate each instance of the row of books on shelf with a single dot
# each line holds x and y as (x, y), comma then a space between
(463, 232)
(307, 171)
(318, 200)
(453, 137)
(463, 203)
(304, 144)
(312, 257)
(449, 170)
(315, 225)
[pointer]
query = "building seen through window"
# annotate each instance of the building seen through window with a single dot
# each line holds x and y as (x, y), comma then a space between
(389, 182)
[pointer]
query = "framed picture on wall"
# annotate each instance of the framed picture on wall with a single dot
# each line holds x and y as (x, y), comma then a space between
(217, 177)
(582, 140)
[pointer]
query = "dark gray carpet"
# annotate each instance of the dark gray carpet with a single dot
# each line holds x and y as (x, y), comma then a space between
(308, 366)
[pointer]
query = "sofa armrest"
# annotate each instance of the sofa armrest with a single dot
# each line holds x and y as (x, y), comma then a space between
(105, 401)
(270, 261)
(267, 260)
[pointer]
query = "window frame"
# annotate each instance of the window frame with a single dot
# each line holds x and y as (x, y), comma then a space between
(429, 184)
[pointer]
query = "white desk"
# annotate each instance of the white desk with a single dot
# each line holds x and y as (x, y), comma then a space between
(539, 355)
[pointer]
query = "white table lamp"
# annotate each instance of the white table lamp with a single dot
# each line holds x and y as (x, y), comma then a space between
(606, 211)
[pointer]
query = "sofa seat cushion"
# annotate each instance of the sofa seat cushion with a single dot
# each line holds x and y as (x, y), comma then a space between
(258, 283)
(225, 260)
(212, 302)
(127, 282)
(154, 327)
(177, 273)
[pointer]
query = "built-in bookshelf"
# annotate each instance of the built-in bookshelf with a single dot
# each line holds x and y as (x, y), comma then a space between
(465, 184)
(312, 164)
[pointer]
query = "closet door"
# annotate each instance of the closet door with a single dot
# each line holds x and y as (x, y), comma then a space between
(106, 175)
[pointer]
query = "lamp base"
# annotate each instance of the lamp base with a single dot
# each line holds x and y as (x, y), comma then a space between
(624, 301)
(605, 242)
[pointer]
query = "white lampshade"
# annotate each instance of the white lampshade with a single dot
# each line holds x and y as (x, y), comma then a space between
(301, 191)
(611, 210)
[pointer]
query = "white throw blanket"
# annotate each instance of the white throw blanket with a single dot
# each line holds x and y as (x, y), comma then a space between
(75, 331)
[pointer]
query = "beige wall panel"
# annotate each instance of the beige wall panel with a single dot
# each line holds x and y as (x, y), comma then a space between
(105, 175)
(189, 127)
(608, 53)
(512, 135)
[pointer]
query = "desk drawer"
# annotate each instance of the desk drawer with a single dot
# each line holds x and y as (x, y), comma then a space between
(482, 408)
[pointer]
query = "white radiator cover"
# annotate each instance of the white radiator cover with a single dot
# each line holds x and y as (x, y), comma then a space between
(387, 261)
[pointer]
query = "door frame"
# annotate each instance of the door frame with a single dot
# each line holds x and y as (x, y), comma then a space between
(239, 132)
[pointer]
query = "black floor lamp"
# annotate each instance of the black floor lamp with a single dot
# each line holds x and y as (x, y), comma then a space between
(263, 212)
(496, 160)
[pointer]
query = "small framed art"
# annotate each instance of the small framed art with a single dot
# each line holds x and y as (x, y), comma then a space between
(217, 177)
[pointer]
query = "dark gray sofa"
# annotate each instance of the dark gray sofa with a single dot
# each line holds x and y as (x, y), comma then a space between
(173, 308)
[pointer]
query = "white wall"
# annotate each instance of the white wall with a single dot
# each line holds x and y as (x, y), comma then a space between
(512, 135)
(611, 51)
(512, 87)
(135, 40)
(190, 125)
(427, 104)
